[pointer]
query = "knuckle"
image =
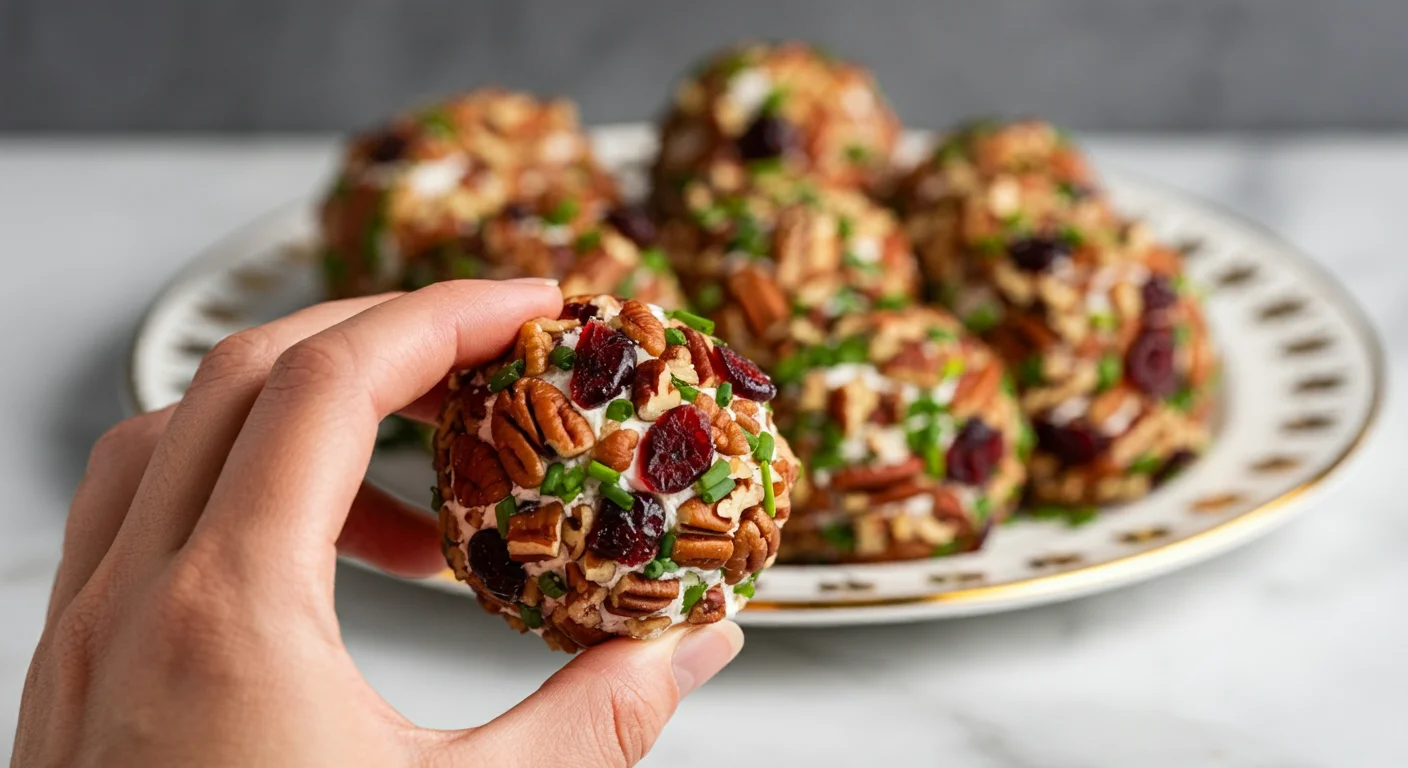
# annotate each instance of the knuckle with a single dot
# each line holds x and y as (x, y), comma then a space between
(312, 363)
(188, 605)
(248, 352)
(120, 438)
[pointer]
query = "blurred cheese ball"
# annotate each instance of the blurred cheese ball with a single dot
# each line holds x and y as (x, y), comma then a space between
(428, 179)
(785, 106)
(1096, 318)
(911, 435)
(777, 263)
(616, 473)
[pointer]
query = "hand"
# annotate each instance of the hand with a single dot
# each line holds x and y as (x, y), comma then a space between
(192, 619)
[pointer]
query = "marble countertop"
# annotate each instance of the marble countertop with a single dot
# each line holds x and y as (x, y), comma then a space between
(1290, 652)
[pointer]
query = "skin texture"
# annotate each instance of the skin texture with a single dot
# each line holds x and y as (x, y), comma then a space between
(192, 619)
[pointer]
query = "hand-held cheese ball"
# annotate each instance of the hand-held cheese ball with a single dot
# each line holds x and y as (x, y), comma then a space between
(788, 107)
(1113, 360)
(616, 473)
(912, 439)
(416, 189)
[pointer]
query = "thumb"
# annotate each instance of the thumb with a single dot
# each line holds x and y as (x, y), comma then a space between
(607, 706)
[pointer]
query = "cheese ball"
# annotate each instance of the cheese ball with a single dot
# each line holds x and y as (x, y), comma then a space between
(912, 438)
(616, 473)
(428, 179)
(777, 264)
(785, 106)
(1112, 357)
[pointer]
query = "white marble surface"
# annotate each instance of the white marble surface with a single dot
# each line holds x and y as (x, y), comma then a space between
(1291, 652)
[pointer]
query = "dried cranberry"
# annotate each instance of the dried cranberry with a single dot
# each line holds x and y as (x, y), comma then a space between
(769, 136)
(747, 378)
(628, 536)
(516, 211)
(387, 146)
(581, 311)
(1037, 254)
(489, 560)
(1175, 464)
(1158, 293)
(1072, 444)
(562, 257)
(975, 453)
(1149, 363)
(677, 450)
(633, 222)
(606, 361)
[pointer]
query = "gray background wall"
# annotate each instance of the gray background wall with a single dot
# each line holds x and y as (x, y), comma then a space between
(296, 65)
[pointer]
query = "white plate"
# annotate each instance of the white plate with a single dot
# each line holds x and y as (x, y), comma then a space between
(1302, 383)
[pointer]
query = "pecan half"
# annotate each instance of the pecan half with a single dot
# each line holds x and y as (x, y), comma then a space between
(635, 595)
(652, 393)
(535, 535)
(581, 635)
(710, 608)
(765, 308)
(644, 629)
(480, 476)
(575, 529)
(641, 326)
(702, 551)
(858, 478)
(617, 449)
(975, 390)
(701, 356)
(694, 513)
(745, 412)
(728, 436)
(520, 459)
(756, 541)
(533, 346)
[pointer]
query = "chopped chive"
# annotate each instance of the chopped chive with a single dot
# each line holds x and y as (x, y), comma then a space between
(982, 509)
(1110, 369)
(892, 301)
(839, 535)
(563, 212)
(765, 447)
(669, 565)
(709, 297)
(552, 480)
(686, 391)
(1026, 441)
(1144, 464)
(587, 241)
(692, 594)
(436, 121)
(934, 462)
(941, 334)
(714, 475)
(1031, 371)
(618, 495)
(1104, 321)
(654, 259)
(845, 227)
(601, 472)
(1182, 332)
(620, 410)
(725, 394)
(502, 511)
(1182, 400)
(505, 376)
(530, 615)
(718, 491)
(989, 244)
(769, 500)
(944, 550)
(675, 337)
(982, 319)
(701, 324)
(551, 585)
(562, 357)
(774, 100)
(954, 367)
(752, 440)
(745, 589)
(923, 405)
(1071, 236)
(857, 153)
(436, 500)
(653, 570)
(667, 545)
(572, 482)
(1081, 515)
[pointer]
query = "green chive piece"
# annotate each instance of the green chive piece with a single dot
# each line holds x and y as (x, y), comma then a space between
(563, 212)
(1026, 441)
(769, 500)
(709, 297)
(934, 461)
(725, 394)
(436, 500)
(674, 337)
(502, 511)
(745, 589)
(701, 324)
(530, 615)
(551, 585)
(552, 480)
(603, 473)
(714, 475)
(1182, 400)
(990, 245)
(618, 496)
(982, 509)
(1104, 321)
(941, 334)
(1110, 370)
(774, 100)
(1144, 464)
(1182, 334)
(620, 410)
(653, 570)
(892, 301)
(654, 260)
(845, 227)
(670, 565)
(982, 319)
(954, 367)
(1081, 515)
(686, 391)
(587, 241)
(667, 545)
(692, 595)
(1031, 371)
(944, 550)
(1072, 236)
(839, 535)
(437, 122)
(752, 440)
(766, 443)
(505, 376)
(718, 491)
(562, 357)
(572, 482)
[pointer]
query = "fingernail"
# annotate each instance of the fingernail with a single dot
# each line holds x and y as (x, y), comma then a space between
(703, 652)
(533, 281)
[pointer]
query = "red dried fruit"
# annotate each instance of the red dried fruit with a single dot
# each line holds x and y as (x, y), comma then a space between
(767, 137)
(581, 311)
(677, 450)
(1037, 254)
(387, 147)
(1149, 363)
(633, 222)
(1072, 444)
(489, 560)
(975, 453)
(606, 362)
(1158, 294)
(747, 378)
(628, 536)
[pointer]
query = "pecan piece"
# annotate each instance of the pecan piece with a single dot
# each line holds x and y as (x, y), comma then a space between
(575, 528)
(755, 541)
(642, 326)
(765, 308)
(852, 404)
(535, 535)
(710, 608)
(616, 449)
(580, 634)
(744, 495)
(545, 418)
(681, 364)
(597, 568)
(874, 478)
(520, 459)
(728, 436)
(975, 390)
(701, 357)
(745, 412)
(480, 476)
(635, 595)
(702, 551)
(644, 629)
(653, 393)
(696, 514)
(532, 347)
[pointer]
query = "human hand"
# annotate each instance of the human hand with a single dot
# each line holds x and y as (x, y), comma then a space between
(192, 619)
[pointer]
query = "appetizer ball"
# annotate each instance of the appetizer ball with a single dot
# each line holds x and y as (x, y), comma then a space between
(617, 473)
(911, 435)
(784, 106)
(777, 264)
(431, 177)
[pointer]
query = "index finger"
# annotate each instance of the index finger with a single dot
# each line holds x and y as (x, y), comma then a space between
(296, 466)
